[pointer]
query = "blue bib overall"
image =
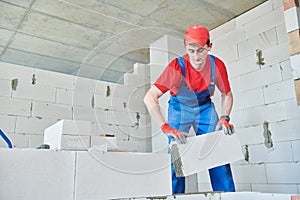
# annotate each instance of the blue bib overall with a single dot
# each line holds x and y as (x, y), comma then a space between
(189, 108)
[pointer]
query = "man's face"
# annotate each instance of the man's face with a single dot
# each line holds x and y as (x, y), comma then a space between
(197, 55)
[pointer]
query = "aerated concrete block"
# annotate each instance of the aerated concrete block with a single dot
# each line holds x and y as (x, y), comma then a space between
(36, 174)
(69, 135)
(121, 175)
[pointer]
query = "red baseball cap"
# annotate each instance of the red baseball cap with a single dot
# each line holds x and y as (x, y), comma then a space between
(196, 34)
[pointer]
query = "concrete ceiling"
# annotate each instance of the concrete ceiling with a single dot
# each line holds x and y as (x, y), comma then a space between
(100, 39)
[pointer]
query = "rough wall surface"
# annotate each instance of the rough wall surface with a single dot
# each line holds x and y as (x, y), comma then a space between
(254, 46)
(33, 99)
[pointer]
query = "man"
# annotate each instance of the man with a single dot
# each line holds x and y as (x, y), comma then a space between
(191, 80)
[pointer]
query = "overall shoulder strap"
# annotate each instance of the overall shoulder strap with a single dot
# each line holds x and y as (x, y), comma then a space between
(213, 72)
(181, 63)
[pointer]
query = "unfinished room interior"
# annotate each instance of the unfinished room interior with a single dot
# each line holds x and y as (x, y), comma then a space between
(76, 77)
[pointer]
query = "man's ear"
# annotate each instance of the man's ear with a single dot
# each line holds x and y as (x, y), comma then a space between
(210, 46)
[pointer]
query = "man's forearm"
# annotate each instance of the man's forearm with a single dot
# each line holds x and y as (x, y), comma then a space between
(152, 104)
(227, 102)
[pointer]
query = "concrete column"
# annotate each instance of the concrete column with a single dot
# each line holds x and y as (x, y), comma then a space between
(162, 52)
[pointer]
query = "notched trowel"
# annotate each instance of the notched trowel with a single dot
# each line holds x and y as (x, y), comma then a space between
(204, 152)
(176, 160)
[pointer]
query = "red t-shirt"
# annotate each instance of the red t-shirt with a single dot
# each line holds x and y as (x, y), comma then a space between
(171, 78)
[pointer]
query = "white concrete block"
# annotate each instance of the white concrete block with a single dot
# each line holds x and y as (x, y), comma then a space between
(12, 106)
(7, 123)
(251, 98)
(175, 47)
(122, 91)
(85, 84)
(228, 55)
(242, 187)
(283, 173)
(251, 135)
(120, 104)
(295, 59)
(17, 140)
(68, 135)
(135, 145)
(272, 113)
(89, 114)
(5, 88)
(295, 149)
(259, 78)
(289, 128)
(292, 109)
(134, 80)
(244, 173)
(137, 105)
(32, 125)
(121, 118)
(10, 71)
(276, 54)
(261, 41)
(229, 39)
(235, 84)
(70, 127)
(64, 96)
(156, 70)
(81, 98)
(281, 152)
(102, 173)
(142, 70)
(35, 141)
(111, 142)
(203, 177)
(142, 133)
(243, 66)
(222, 29)
(72, 142)
(279, 91)
(278, 188)
(281, 33)
(191, 185)
(253, 14)
(204, 187)
(267, 21)
(37, 174)
(34, 92)
(54, 79)
(51, 110)
(129, 145)
(237, 118)
(254, 195)
(158, 51)
(286, 70)
(99, 87)
(111, 103)
(121, 132)
(292, 19)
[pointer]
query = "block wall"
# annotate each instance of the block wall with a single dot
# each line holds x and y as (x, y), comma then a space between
(33, 99)
(255, 49)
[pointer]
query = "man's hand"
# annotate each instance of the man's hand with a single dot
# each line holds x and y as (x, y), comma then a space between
(224, 124)
(178, 135)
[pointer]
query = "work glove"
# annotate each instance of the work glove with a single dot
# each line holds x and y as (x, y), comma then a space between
(224, 125)
(179, 136)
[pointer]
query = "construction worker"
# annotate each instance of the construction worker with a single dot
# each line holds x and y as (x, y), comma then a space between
(191, 80)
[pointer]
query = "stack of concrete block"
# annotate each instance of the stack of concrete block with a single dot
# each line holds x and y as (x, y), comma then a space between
(81, 175)
(75, 135)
